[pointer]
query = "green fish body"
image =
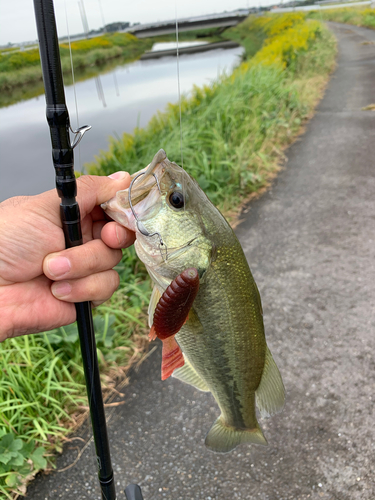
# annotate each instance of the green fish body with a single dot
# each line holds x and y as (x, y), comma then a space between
(223, 340)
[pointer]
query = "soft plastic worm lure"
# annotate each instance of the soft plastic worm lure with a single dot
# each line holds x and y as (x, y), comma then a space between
(170, 314)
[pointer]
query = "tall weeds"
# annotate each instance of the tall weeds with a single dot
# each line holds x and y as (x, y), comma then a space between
(359, 16)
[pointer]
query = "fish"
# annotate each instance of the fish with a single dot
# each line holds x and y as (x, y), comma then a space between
(222, 340)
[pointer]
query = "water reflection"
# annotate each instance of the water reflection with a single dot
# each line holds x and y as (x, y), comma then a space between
(99, 89)
(131, 94)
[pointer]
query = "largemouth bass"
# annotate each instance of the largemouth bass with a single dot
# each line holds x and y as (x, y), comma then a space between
(223, 340)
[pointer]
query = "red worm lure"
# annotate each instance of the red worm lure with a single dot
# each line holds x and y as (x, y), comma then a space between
(170, 314)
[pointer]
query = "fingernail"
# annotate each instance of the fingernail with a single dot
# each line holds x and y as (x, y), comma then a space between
(117, 175)
(61, 289)
(120, 235)
(58, 266)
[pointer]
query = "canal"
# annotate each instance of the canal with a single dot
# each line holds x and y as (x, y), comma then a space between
(111, 103)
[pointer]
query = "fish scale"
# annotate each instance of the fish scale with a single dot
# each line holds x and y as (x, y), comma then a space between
(223, 341)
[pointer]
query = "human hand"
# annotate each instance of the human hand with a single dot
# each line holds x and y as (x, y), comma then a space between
(39, 279)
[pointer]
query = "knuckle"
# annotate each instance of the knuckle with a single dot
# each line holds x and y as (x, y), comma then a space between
(86, 182)
(104, 285)
(91, 258)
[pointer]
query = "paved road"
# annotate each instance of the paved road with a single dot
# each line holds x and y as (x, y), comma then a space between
(311, 244)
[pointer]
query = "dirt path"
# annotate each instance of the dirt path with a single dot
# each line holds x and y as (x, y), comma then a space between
(310, 242)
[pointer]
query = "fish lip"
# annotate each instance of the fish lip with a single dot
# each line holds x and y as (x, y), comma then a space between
(118, 214)
(143, 193)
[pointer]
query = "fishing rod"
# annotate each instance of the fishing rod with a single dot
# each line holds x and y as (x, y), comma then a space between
(66, 185)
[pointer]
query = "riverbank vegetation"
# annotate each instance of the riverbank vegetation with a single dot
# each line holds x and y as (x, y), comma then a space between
(19, 69)
(234, 132)
(358, 16)
(21, 75)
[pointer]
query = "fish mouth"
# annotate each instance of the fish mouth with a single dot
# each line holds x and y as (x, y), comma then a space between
(141, 196)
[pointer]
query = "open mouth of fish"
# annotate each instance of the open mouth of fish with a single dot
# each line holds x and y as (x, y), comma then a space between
(143, 196)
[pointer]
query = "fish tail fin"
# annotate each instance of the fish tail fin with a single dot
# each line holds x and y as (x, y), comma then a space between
(223, 438)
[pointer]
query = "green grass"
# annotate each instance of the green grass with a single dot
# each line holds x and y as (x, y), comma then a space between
(21, 69)
(358, 16)
(233, 135)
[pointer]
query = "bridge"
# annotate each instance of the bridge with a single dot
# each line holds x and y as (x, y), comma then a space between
(223, 20)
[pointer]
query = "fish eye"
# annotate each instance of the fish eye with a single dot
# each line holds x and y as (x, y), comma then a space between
(176, 199)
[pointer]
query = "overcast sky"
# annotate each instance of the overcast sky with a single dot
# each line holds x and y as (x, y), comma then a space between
(17, 23)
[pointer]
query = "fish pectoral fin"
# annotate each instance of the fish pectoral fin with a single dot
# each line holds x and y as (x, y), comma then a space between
(270, 395)
(223, 438)
(155, 297)
(188, 375)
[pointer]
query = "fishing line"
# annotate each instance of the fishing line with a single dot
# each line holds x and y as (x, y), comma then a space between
(178, 83)
(179, 103)
(74, 83)
(79, 150)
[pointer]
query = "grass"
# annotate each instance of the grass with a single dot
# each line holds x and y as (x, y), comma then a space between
(21, 76)
(359, 16)
(20, 69)
(234, 132)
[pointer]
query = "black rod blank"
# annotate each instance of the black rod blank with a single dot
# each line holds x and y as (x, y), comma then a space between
(63, 160)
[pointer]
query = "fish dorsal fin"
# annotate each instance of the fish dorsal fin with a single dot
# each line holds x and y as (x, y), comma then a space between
(188, 375)
(155, 297)
(270, 395)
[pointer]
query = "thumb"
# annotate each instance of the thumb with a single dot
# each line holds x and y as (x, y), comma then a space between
(92, 190)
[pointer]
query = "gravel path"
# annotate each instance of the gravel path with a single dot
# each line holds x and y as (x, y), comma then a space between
(310, 242)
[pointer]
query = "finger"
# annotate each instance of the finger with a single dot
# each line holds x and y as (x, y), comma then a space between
(74, 263)
(96, 287)
(97, 229)
(30, 307)
(116, 236)
(93, 190)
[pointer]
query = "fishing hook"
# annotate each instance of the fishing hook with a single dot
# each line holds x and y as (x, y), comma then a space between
(140, 225)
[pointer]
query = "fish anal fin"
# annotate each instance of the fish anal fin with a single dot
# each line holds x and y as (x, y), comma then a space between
(270, 395)
(223, 438)
(171, 357)
(188, 375)
(152, 334)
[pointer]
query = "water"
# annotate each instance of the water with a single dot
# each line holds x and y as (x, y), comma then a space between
(157, 47)
(131, 94)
